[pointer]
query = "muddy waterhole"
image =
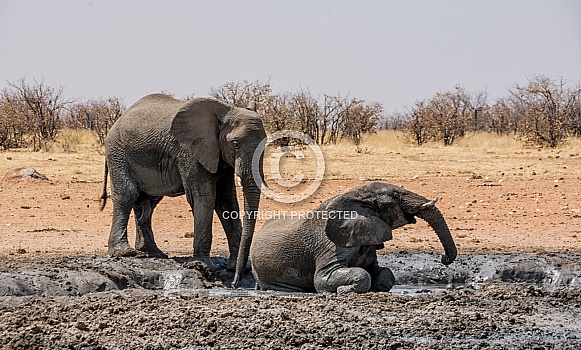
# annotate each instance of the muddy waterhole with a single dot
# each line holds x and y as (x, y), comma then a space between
(495, 301)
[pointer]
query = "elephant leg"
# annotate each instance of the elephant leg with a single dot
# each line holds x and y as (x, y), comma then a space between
(202, 201)
(118, 244)
(382, 279)
(124, 193)
(343, 280)
(228, 211)
(144, 240)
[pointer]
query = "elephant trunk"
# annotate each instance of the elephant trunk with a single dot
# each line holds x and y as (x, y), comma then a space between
(251, 193)
(435, 219)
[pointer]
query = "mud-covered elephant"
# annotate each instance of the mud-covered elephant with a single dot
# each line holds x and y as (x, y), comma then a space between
(162, 146)
(333, 248)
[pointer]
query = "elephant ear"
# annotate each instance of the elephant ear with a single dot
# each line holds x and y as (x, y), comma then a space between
(351, 224)
(196, 124)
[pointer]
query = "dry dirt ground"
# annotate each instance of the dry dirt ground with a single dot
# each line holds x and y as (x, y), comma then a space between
(496, 213)
(56, 218)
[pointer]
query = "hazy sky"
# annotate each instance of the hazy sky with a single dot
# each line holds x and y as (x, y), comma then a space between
(393, 52)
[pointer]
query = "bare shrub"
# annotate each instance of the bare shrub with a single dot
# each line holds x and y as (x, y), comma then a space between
(548, 110)
(13, 125)
(239, 94)
(326, 119)
(40, 106)
(360, 118)
(97, 115)
(445, 117)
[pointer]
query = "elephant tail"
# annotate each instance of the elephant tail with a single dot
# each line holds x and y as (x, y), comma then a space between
(103, 199)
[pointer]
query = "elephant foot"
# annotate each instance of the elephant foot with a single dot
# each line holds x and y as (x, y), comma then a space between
(236, 281)
(382, 280)
(122, 250)
(344, 290)
(205, 260)
(209, 273)
(231, 265)
(151, 253)
(344, 280)
(362, 286)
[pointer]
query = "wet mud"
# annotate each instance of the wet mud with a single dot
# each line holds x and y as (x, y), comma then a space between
(479, 302)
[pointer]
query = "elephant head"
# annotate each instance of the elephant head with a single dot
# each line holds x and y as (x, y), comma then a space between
(218, 132)
(371, 211)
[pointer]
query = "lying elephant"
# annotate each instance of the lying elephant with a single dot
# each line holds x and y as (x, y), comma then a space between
(333, 248)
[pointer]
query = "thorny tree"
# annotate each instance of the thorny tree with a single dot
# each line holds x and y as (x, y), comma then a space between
(12, 123)
(97, 115)
(444, 117)
(239, 94)
(503, 118)
(42, 107)
(548, 110)
(360, 118)
(326, 120)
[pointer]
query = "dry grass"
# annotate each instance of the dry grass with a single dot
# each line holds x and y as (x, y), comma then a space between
(488, 141)
(390, 154)
(386, 154)
(75, 155)
(75, 140)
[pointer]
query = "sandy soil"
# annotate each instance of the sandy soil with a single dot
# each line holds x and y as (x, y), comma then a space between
(56, 218)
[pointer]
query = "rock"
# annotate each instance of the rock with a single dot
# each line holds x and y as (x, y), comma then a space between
(36, 329)
(24, 174)
(82, 326)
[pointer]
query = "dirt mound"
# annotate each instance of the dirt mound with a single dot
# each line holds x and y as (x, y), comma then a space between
(24, 174)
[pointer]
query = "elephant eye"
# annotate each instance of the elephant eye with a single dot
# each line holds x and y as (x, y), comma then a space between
(236, 144)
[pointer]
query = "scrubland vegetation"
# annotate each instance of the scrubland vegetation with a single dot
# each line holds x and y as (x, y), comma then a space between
(542, 113)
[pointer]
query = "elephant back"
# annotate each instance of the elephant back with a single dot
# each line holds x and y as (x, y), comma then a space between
(147, 121)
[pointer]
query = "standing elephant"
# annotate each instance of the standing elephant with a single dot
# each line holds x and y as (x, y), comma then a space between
(162, 146)
(333, 248)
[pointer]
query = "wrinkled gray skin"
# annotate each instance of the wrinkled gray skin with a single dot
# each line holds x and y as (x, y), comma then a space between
(338, 254)
(162, 146)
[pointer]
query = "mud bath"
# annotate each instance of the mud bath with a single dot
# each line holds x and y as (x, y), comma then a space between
(479, 302)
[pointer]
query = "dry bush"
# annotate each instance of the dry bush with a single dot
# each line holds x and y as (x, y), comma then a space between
(326, 119)
(549, 110)
(445, 117)
(97, 115)
(43, 109)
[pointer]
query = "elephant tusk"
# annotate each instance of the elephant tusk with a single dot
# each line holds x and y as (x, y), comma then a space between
(430, 203)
